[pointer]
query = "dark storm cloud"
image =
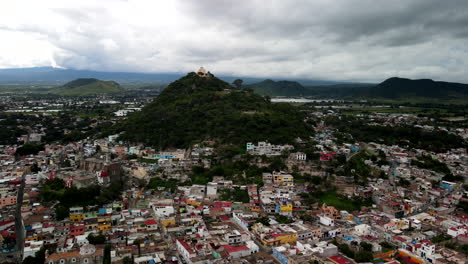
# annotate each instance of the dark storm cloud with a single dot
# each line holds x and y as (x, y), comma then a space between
(364, 40)
(343, 21)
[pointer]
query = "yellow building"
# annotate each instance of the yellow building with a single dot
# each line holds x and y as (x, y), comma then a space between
(286, 208)
(274, 239)
(32, 238)
(91, 226)
(76, 218)
(255, 208)
(193, 202)
(283, 179)
(104, 223)
(104, 227)
(104, 219)
(167, 221)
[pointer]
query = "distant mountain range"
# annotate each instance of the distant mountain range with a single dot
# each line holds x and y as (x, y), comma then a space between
(57, 76)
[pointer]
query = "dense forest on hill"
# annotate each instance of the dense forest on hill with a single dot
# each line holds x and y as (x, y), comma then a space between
(193, 109)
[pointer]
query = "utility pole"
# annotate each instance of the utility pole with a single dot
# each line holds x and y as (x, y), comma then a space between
(19, 225)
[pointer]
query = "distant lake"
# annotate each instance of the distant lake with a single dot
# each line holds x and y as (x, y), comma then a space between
(299, 100)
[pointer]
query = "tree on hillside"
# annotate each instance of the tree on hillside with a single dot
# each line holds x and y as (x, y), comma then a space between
(238, 83)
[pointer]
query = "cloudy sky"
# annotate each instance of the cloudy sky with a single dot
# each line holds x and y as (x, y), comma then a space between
(365, 40)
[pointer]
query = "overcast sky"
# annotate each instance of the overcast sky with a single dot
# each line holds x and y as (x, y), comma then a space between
(365, 40)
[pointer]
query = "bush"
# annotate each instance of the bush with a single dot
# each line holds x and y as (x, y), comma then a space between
(343, 248)
(366, 246)
(363, 256)
(440, 238)
(96, 239)
(29, 149)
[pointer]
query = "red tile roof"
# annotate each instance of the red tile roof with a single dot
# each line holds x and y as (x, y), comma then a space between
(224, 218)
(186, 246)
(150, 222)
(232, 249)
(340, 260)
(399, 238)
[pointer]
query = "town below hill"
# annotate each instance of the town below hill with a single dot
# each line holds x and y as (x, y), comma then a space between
(207, 171)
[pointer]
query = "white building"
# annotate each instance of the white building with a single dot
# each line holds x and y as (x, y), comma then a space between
(426, 250)
(161, 210)
(327, 221)
(362, 230)
(242, 219)
(233, 238)
(265, 148)
(34, 246)
(300, 156)
(211, 189)
(252, 246)
(456, 231)
(76, 210)
(122, 112)
(81, 240)
(125, 112)
(185, 250)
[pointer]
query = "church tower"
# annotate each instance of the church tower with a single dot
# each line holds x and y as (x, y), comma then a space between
(202, 72)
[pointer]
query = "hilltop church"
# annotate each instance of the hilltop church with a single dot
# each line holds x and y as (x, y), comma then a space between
(202, 73)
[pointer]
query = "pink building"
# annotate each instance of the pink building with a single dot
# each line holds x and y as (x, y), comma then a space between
(9, 200)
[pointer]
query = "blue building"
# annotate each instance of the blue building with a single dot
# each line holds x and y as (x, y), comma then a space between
(279, 256)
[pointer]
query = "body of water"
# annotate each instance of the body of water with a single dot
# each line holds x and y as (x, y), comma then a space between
(300, 100)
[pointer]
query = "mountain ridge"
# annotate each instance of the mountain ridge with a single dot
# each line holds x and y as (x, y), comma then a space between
(278, 88)
(396, 87)
(86, 87)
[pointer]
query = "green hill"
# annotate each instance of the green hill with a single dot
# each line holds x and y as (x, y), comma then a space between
(88, 86)
(193, 109)
(401, 88)
(279, 88)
